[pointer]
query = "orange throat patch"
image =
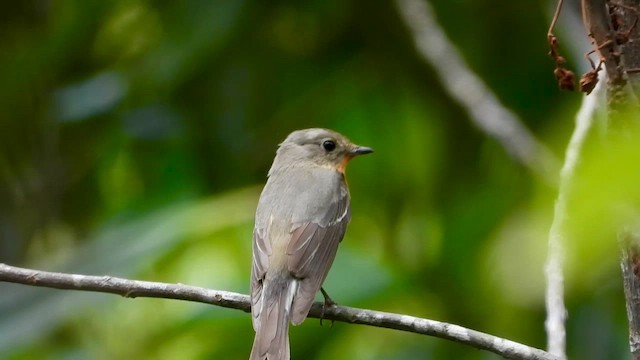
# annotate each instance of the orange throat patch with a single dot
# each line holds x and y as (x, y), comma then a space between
(343, 165)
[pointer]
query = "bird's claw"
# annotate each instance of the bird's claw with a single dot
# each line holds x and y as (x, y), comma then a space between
(328, 302)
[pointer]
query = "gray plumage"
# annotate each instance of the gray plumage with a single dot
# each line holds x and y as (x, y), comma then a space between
(301, 218)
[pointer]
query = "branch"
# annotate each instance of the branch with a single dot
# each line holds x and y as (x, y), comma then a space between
(614, 23)
(484, 108)
(631, 49)
(134, 288)
(556, 311)
(610, 25)
(595, 16)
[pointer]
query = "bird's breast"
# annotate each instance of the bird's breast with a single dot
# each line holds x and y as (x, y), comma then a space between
(300, 195)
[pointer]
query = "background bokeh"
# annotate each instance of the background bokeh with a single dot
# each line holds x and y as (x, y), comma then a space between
(135, 136)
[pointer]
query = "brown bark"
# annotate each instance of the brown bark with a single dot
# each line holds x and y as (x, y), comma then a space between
(630, 13)
(613, 25)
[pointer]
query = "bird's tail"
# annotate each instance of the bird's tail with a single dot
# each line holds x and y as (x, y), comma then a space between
(272, 326)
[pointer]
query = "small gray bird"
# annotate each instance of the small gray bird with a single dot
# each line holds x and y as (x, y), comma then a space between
(301, 218)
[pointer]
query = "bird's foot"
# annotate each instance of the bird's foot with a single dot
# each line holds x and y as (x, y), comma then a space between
(328, 302)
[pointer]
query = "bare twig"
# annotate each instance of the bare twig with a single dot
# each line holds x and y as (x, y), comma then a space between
(556, 311)
(483, 107)
(134, 288)
(554, 20)
(126, 288)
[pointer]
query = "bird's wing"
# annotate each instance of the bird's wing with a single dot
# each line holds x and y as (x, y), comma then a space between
(311, 252)
(261, 253)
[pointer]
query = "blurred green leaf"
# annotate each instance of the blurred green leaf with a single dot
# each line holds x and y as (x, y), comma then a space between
(132, 134)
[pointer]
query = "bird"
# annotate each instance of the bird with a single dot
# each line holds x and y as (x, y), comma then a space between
(301, 218)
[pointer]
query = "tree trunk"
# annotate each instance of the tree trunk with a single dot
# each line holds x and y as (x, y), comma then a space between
(613, 25)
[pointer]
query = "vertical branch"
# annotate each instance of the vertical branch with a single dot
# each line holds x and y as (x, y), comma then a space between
(554, 299)
(556, 311)
(595, 15)
(614, 28)
(629, 12)
(597, 20)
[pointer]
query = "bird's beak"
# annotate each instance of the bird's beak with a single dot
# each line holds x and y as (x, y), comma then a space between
(360, 150)
(355, 151)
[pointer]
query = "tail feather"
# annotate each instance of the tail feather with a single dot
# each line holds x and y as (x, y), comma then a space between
(272, 333)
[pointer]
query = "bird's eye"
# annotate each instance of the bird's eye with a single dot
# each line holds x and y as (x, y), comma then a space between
(329, 145)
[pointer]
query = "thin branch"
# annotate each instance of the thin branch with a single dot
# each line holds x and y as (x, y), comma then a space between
(554, 20)
(126, 288)
(134, 288)
(484, 109)
(556, 311)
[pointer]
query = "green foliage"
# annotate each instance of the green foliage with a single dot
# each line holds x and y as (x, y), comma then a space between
(135, 135)
(604, 201)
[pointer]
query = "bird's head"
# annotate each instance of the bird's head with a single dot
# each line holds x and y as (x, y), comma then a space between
(317, 147)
